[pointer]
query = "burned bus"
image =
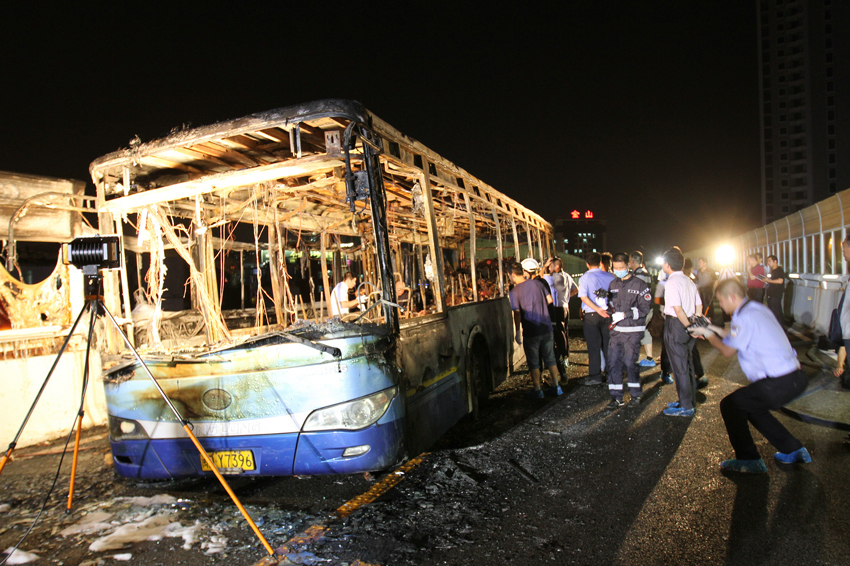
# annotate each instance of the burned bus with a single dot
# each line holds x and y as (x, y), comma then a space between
(235, 239)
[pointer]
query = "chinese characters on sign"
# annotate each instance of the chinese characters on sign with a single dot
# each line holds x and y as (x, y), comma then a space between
(576, 214)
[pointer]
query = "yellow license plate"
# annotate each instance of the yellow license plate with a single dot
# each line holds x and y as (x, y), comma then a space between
(231, 460)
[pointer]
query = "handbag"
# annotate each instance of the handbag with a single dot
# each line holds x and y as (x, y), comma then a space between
(834, 333)
(656, 324)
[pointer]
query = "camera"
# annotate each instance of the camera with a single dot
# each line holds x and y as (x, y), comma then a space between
(699, 321)
(602, 293)
(91, 253)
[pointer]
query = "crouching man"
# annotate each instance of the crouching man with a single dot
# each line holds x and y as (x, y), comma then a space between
(629, 300)
(770, 364)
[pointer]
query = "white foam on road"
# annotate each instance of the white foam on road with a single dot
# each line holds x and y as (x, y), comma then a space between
(215, 545)
(136, 519)
(161, 499)
(19, 556)
(152, 528)
(90, 524)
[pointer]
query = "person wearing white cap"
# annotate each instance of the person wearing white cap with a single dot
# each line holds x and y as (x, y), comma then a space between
(529, 302)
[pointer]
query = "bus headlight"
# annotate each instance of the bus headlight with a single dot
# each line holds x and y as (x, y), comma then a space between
(125, 429)
(352, 415)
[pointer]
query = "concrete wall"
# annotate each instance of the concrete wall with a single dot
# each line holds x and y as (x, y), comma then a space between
(56, 412)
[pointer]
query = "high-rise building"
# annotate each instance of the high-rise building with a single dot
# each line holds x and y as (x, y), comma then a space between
(804, 66)
(580, 234)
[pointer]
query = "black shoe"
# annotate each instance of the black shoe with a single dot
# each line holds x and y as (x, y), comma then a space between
(593, 380)
(702, 382)
(615, 404)
(634, 402)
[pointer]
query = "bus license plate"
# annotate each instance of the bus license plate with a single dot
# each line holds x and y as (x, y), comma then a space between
(231, 460)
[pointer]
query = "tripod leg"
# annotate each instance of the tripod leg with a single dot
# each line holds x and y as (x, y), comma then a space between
(6, 457)
(187, 427)
(227, 488)
(81, 413)
(74, 462)
(14, 443)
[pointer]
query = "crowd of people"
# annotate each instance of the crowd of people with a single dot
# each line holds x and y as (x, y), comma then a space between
(620, 317)
(617, 306)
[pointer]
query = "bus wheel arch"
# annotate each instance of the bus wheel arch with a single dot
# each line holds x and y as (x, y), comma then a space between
(479, 373)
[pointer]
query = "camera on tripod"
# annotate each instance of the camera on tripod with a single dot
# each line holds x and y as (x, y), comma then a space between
(91, 254)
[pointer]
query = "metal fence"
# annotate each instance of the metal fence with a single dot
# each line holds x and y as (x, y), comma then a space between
(807, 244)
(807, 241)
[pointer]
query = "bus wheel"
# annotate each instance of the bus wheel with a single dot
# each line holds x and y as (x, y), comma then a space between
(478, 378)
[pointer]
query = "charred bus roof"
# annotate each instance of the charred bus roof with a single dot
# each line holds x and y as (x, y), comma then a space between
(300, 145)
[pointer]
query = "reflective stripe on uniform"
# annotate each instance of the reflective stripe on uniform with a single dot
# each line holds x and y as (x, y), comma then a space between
(615, 386)
(629, 328)
(634, 385)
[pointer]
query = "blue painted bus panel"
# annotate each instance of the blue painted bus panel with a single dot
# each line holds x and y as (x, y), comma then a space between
(321, 452)
(435, 410)
(174, 458)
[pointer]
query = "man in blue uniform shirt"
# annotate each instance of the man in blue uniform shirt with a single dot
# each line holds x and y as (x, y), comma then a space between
(596, 318)
(770, 364)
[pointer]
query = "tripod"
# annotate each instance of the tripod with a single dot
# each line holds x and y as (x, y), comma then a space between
(95, 305)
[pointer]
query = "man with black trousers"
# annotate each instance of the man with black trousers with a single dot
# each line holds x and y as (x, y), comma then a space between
(775, 288)
(629, 301)
(771, 366)
(681, 301)
(593, 291)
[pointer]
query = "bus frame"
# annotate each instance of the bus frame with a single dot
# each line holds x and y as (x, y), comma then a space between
(279, 387)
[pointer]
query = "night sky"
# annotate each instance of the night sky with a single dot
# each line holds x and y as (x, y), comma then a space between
(644, 112)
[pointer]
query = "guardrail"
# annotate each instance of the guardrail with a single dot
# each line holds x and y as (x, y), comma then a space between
(810, 299)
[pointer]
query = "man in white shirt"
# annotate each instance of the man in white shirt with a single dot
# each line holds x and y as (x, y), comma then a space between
(681, 301)
(563, 288)
(666, 369)
(339, 296)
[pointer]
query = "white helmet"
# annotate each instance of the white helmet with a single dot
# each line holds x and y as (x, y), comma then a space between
(530, 264)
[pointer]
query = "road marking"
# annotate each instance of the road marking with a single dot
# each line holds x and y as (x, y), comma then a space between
(315, 532)
(380, 488)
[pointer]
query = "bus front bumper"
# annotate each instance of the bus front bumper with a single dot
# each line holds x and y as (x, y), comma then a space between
(309, 453)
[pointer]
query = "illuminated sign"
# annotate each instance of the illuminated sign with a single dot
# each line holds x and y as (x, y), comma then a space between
(588, 214)
(575, 214)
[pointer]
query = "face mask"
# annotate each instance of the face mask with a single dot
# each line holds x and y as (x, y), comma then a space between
(622, 273)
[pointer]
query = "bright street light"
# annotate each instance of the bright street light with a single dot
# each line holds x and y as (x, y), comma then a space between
(725, 255)
(659, 261)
